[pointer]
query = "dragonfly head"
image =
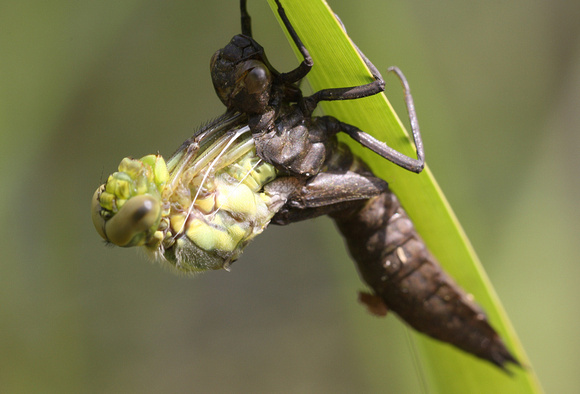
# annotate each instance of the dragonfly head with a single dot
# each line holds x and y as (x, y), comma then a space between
(127, 209)
(242, 76)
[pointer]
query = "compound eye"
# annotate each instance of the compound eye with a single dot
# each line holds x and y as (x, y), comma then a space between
(257, 79)
(134, 221)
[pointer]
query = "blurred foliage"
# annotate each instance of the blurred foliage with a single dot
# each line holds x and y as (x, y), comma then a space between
(83, 84)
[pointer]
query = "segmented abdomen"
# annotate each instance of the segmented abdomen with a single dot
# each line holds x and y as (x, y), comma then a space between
(395, 262)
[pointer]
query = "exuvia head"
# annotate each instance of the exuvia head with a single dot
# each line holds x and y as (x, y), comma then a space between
(242, 76)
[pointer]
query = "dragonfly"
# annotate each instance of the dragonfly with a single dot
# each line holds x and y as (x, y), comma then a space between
(268, 160)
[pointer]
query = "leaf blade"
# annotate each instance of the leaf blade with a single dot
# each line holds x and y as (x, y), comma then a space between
(337, 64)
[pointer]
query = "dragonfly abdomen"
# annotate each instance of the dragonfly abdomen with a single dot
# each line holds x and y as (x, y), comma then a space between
(395, 262)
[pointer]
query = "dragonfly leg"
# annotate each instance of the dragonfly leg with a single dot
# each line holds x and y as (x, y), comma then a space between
(418, 163)
(328, 193)
(332, 126)
(382, 149)
(246, 19)
(309, 103)
(375, 87)
(374, 71)
(306, 65)
(349, 93)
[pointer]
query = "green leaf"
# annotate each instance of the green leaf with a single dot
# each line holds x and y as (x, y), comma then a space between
(337, 64)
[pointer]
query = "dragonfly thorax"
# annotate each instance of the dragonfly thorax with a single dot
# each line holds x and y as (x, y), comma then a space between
(216, 201)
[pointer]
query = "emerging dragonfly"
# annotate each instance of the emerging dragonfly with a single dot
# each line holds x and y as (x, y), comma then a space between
(268, 160)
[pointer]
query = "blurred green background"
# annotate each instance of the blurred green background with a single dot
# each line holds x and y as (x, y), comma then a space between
(83, 84)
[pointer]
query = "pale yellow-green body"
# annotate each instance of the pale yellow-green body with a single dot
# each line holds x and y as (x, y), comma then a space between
(198, 211)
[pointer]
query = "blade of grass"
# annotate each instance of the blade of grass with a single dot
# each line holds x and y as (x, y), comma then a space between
(337, 64)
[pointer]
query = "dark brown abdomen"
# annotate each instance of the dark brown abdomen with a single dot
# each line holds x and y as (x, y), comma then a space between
(395, 262)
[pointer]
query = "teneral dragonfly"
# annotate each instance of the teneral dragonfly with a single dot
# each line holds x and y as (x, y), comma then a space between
(268, 160)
